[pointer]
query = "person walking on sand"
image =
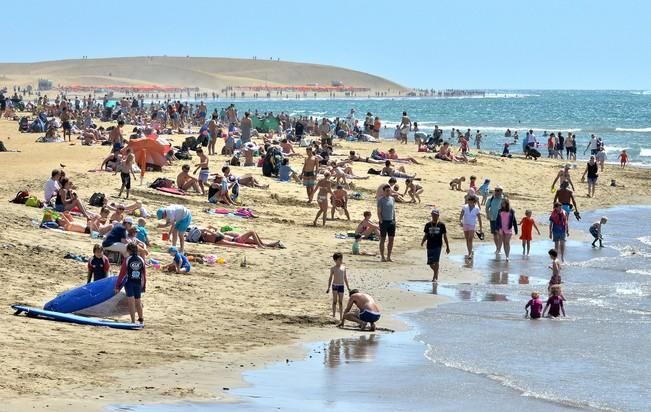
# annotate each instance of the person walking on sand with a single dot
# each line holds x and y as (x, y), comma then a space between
(369, 310)
(435, 234)
(338, 279)
(592, 170)
(322, 198)
(126, 171)
(116, 137)
(245, 128)
(386, 212)
(493, 205)
(308, 175)
(470, 214)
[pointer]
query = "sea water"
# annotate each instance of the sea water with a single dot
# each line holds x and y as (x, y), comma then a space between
(479, 352)
(597, 357)
(621, 118)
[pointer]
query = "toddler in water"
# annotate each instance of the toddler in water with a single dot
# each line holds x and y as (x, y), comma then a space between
(527, 225)
(484, 190)
(595, 231)
(555, 303)
(536, 305)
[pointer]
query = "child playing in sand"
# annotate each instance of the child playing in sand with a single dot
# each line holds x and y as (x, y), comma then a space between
(555, 303)
(126, 170)
(356, 247)
(413, 190)
(142, 234)
(98, 265)
(623, 159)
(556, 269)
(484, 191)
(536, 305)
(455, 184)
(473, 184)
(336, 282)
(134, 271)
(339, 200)
(527, 225)
(180, 264)
(367, 228)
(595, 231)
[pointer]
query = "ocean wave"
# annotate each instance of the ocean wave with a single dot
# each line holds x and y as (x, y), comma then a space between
(511, 384)
(639, 272)
(644, 152)
(640, 130)
(645, 239)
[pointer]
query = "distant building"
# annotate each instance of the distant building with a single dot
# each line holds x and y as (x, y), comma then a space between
(337, 83)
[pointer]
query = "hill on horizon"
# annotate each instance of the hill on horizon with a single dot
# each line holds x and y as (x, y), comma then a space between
(212, 73)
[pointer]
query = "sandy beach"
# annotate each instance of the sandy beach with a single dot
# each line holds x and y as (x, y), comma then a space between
(203, 329)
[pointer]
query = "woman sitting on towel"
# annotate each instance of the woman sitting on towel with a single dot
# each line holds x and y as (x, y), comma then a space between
(218, 191)
(66, 199)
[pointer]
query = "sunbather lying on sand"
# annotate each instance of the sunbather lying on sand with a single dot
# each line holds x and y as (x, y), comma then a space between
(248, 239)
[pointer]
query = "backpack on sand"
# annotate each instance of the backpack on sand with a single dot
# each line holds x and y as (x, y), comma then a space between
(194, 235)
(97, 199)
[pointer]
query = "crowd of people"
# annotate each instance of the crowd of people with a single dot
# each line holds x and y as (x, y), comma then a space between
(326, 178)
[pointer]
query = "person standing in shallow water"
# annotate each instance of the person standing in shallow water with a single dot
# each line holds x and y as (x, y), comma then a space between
(435, 234)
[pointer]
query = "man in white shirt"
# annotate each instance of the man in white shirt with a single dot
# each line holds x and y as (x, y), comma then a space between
(52, 186)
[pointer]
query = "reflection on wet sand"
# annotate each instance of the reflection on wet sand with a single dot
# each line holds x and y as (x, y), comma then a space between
(346, 350)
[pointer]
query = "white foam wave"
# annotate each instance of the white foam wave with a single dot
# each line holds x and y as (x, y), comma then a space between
(639, 272)
(640, 130)
(645, 152)
(615, 149)
(627, 290)
(509, 383)
(645, 239)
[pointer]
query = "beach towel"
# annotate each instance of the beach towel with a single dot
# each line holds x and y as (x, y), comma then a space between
(242, 212)
(172, 191)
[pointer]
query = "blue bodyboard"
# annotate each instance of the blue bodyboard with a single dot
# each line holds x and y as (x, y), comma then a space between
(83, 297)
(68, 317)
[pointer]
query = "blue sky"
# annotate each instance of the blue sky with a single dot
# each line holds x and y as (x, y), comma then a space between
(564, 44)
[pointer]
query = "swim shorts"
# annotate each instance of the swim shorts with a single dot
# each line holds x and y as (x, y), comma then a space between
(126, 180)
(468, 228)
(558, 235)
(309, 180)
(594, 233)
(368, 316)
(433, 255)
(388, 227)
(203, 175)
(183, 224)
(592, 180)
(338, 288)
(133, 289)
(567, 208)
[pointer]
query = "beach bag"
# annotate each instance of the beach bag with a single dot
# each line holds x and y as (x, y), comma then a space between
(161, 182)
(97, 199)
(235, 161)
(21, 197)
(33, 201)
(372, 171)
(194, 235)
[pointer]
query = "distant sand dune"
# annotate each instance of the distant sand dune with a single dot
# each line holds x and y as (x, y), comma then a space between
(202, 72)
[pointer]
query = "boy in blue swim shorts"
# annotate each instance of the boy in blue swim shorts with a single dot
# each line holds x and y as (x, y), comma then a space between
(180, 263)
(369, 311)
(338, 279)
(133, 276)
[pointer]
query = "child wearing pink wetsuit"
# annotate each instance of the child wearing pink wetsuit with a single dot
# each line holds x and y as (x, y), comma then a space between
(536, 305)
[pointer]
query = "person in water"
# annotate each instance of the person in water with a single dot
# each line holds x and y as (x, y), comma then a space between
(595, 231)
(536, 305)
(555, 303)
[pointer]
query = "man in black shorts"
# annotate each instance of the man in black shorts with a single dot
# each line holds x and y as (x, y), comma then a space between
(386, 212)
(435, 234)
